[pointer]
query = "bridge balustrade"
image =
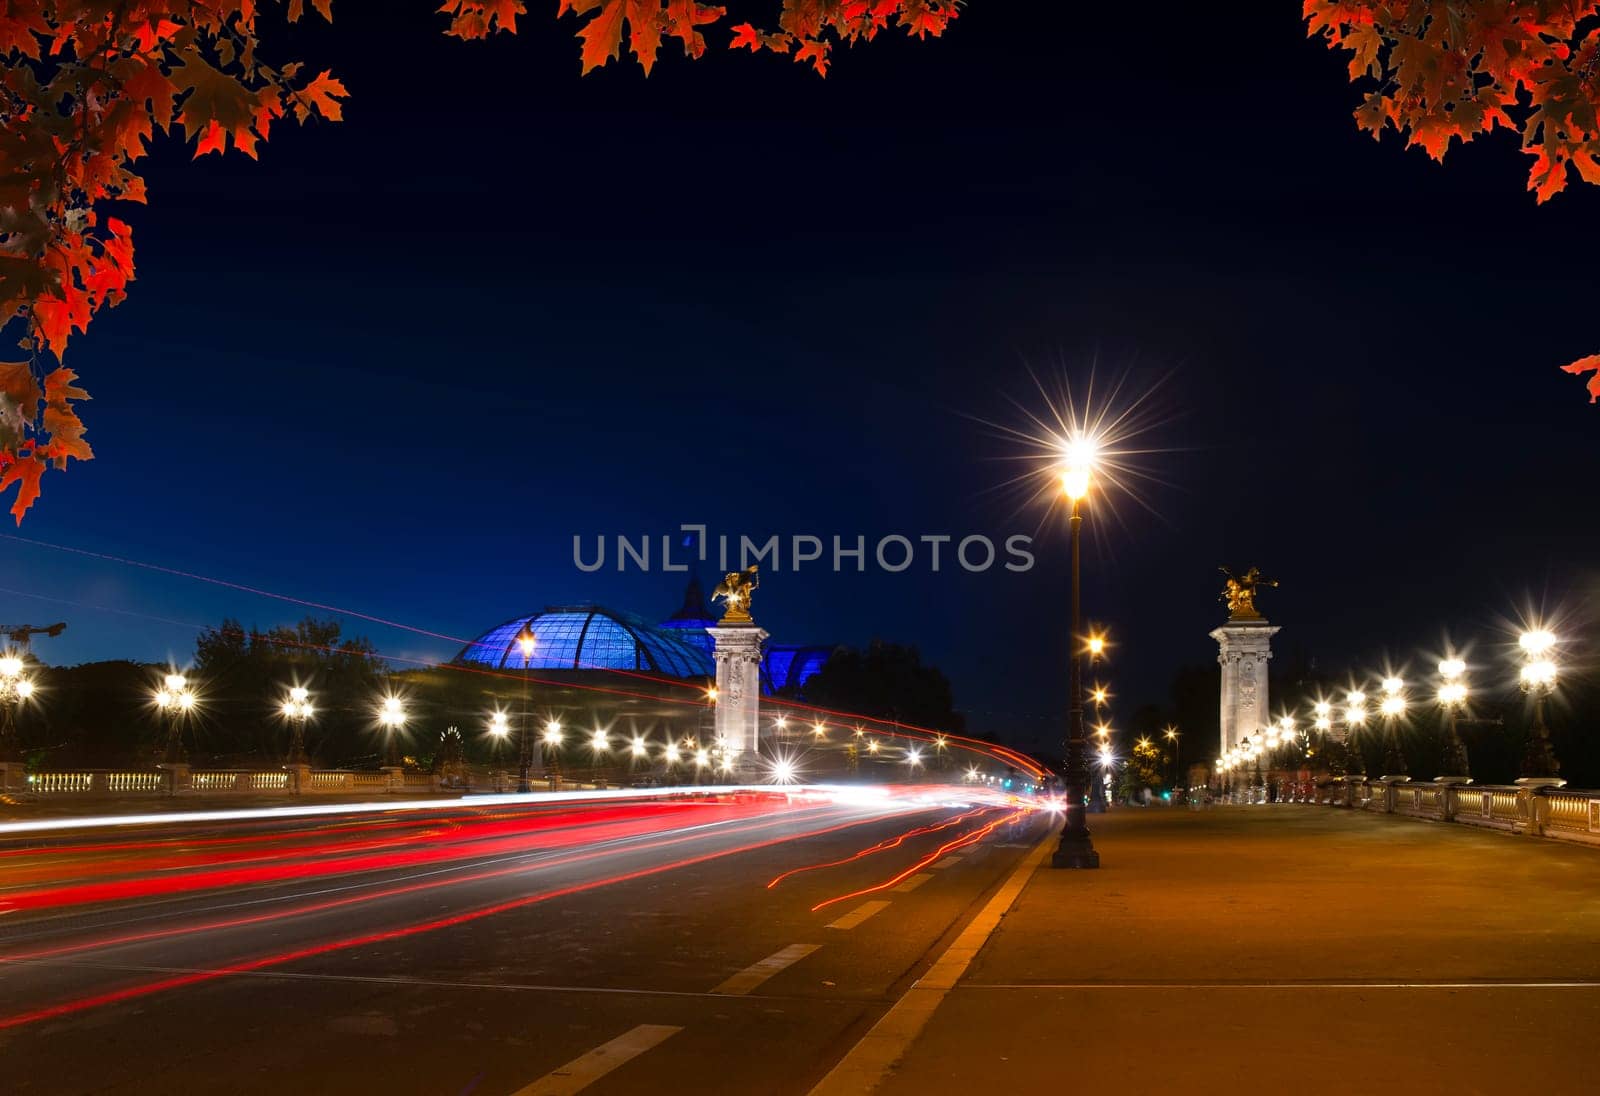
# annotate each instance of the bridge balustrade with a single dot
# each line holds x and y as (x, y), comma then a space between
(1561, 813)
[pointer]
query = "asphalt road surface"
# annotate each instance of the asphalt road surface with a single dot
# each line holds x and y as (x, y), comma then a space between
(610, 948)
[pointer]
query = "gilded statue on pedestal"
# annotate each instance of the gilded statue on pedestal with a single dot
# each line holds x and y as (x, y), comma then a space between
(1240, 593)
(734, 591)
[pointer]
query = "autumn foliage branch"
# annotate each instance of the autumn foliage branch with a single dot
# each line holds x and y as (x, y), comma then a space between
(88, 84)
(1438, 72)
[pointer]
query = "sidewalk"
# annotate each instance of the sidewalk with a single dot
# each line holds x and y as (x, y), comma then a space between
(1289, 947)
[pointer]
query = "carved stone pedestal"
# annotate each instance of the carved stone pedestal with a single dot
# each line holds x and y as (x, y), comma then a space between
(737, 651)
(1245, 647)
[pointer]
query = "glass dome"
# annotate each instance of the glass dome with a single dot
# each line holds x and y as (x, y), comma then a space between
(789, 667)
(588, 637)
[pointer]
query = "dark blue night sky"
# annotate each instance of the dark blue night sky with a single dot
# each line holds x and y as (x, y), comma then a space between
(399, 363)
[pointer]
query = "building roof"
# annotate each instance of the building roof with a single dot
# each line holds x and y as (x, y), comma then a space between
(588, 637)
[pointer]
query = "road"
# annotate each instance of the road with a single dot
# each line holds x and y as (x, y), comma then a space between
(608, 948)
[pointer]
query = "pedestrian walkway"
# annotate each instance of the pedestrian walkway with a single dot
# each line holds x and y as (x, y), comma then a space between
(1281, 947)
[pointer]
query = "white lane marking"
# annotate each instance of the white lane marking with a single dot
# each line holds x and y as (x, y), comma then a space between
(947, 861)
(869, 1061)
(756, 973)
(586, 1069)
(858, 915)
(914, 882)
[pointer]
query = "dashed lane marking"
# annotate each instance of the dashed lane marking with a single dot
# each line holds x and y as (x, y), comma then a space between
(756, 973)
(914, 882)
(858, 915)
(586, 1069)
(947, 861)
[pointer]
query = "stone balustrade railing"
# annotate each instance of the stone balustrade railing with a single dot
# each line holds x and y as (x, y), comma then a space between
(289, 780)
(1540, 811)
(182, 780)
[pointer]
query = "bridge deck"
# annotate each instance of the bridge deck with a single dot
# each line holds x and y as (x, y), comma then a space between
(1300, 946)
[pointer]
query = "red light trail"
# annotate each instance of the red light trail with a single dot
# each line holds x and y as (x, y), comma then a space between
(501, 839)
(882, 846)
(972, 837)
(83, 1004)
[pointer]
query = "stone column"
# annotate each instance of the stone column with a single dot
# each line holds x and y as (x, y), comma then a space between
(737, 651)
(1246, 645)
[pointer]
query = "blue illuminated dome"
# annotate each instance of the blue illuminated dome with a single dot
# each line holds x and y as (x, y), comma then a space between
(588, 637)
(786, 668)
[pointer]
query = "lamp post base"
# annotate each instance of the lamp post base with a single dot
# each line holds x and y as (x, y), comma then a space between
(1075, 852)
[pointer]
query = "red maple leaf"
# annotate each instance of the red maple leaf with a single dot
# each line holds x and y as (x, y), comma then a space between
(816, 52)
(1590, 364)
(471, 19)
(1548, 175)
(61, 422)
(322, 94)
(746, 35)
(25, 472)
(683, 16)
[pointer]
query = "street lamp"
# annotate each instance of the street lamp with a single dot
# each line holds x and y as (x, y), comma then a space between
(553, 739)
(297, 710)
(1539, 674)
(1393, 708)
(14, 689)
(526, 642)
(1452, 697)
(1175, 740)
(1355, 718)
(393, 716)
(499, 729)
(175, 700)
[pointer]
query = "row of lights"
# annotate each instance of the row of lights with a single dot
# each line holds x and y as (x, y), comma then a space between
(819, 733)
(1538, 676)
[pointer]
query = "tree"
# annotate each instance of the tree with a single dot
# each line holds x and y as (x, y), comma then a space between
(886, 681)
(244, 677)
(1143, 769)
(1438, 72)
(89, 83)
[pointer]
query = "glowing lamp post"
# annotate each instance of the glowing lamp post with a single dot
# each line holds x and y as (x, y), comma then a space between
(1175, 740)
(1076, 847)
(1393, 709)
(1539, 674)
(525, 643)
(499, 730)
(297, 710)
(392, 717)
(14, 689)
(1355, 718)
(175, 700)
(1452, 698)
(1288, 738)
(553, 738)
(1322, 722)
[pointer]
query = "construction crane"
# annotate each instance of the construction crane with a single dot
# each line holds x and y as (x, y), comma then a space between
(20, 634)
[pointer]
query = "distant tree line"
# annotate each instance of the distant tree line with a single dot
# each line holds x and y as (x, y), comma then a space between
(102, 714)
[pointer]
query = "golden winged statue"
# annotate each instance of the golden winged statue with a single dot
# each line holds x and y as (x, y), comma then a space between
(1240, 593)
(734, 590)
